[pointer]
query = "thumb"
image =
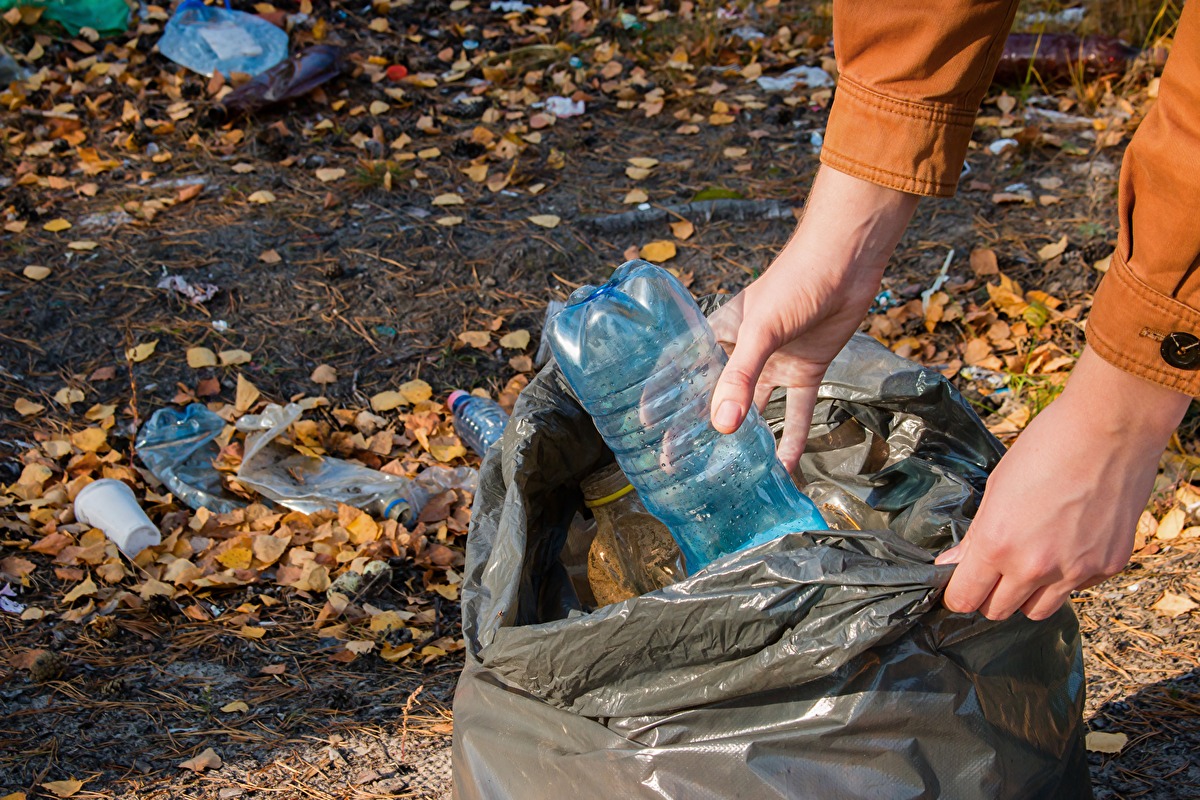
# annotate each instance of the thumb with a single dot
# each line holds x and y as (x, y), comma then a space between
(735, 389)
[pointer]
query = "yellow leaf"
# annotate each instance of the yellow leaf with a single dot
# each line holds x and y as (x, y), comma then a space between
(247, 394)
(416, 391)
(153, 588)
(324, 374)
(389, 653)
(262, 197)
(379, 25)
(448, 592)
(16, 226)
(26, 408)
(449, 222)
(447, 452)
(232, 358)
(734, 152)
(517, 340)
(99, 412)
(661, 250)
(362, 529)
(252, 632)
(644, 163)
(198, 357)
(480, 339)
(89, 440)
(14, 795)
(545, 220)
(360, 646)
(1053, 249)
(236, 557)
(206, 760)
(68, 397)
(386, 401)
(1102, 742)
(56, 225)
(85, 589)
(449, 199)
(63, 788)
(236, 705)
(430, 152)
(476, 172)
(36, 272)
(378, 107)
(330, 174)
(270, 257)
(141, 352)
(637, 173)
(268, 549)
(1171, 525)
(1174, 605)
(683, 229)
(83, 245)
(635, 196)
(386, 621)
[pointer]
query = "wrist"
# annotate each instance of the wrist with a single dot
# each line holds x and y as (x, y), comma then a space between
(1118, 404)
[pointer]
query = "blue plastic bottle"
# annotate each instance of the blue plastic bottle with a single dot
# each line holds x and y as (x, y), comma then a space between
(643, 361)
(478, 421)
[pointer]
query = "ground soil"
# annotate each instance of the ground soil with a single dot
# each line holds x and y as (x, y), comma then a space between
(373, 286)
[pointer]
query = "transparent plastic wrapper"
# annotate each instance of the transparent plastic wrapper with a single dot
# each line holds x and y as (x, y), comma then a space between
(211, 39)
(179, 448)
(310, 483)
(287, 80)
(818, 664)
(632, 553)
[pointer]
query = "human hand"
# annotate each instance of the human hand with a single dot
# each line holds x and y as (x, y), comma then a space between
(1061, 509)
(788, 325)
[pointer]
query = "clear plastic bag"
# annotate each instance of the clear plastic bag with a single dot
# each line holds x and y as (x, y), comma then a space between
(210, 39)
(179, 448)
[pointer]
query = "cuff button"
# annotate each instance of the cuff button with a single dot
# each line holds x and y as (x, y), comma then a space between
(1181, 350)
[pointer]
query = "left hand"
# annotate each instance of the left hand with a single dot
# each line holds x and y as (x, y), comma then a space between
(1061, 509)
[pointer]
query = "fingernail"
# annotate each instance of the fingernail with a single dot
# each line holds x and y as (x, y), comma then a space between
(729, 414)
(951, 556)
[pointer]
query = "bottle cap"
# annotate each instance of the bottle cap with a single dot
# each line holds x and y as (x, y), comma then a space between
(455, 396)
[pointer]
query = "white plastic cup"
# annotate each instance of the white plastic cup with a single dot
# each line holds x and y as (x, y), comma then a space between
(109, 505)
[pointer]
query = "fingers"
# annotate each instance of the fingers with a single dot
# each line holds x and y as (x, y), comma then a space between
(762, 396)
(971, 584)
(797, 417)
(735, 389)
(1043, 603)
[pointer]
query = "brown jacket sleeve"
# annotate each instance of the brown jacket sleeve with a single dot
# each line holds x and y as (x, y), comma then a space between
(912, 76)
(1145, 318)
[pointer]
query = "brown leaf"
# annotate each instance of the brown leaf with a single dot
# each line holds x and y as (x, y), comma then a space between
(26, 408)
(1173, 605)
(635, 196)
(983, 262)
(683, 229)
(480, 339)
(1053, 250)
(270, 257)
(66, 788)
(200, 357)
(415, 391)
(1172, 524)
(324, 374)
(386, 401)
(36, 272)
(141, 352)
(232, 358)
(545, 220)
(205, 761)
(1103, 742)
(516, 340)
(15, 567)
(247, 394)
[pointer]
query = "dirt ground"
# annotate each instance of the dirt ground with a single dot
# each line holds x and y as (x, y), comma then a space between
(379, 282)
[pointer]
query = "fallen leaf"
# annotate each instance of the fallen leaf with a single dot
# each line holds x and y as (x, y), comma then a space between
(85, 589)
(56, 225)
(199, 357)
(268, 548)
(378, 107)
(14, 795)
(1053, 250)
(449, 222)
(480, 339)
(983, 262)
(644, 163)
(89, 440)
(637, 173)
(1102, 742)
(521, 363)
(68, 396)
(205, 761)
(63, 788)
(447, 452)
(270, 257)
(324, 374)
(190, 192)
(99, 412)
(635, 196)
(36, 272)
(236, 557)
(252, 632)
(517, 340)
(360, 646)
(232, 358)
(235, 706)
(330, 174)
(83, 245)
(247, 394)
(1172, 524)
(545, 220)
(659, 251)
(448, 199)
(141, 352)
(262, 197)
(26, 408)
(683, 229)
(476, 172)
(415, 391)
(1173, 605)
(386, 401)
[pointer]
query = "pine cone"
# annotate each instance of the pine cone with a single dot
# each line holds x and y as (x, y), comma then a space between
(47, 666)
(103, 627)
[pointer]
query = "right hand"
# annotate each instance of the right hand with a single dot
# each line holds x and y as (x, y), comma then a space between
(789, 324)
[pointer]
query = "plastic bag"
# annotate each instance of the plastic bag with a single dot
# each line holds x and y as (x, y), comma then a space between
(209, 39)
(102, 16)
(179, 448)
(815, 665)
(287, 80)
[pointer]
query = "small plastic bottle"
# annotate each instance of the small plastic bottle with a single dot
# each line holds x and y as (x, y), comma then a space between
(479, 421)
(643, 361)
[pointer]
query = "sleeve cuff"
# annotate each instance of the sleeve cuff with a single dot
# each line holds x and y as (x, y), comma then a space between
(1130, 322)
(912, 147)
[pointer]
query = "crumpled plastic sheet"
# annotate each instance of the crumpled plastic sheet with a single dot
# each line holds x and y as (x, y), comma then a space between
(816, 665)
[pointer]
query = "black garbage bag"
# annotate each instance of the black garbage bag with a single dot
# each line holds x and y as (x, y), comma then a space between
(819, 665)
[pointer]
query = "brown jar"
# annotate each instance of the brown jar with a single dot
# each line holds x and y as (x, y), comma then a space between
(633, 553)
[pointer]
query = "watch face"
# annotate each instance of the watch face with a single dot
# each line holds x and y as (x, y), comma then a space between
(1181, 350)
